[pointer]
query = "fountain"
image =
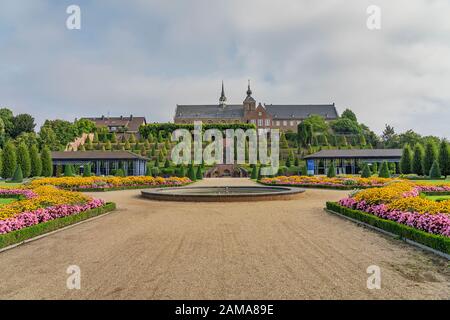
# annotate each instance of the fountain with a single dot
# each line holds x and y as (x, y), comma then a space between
(223, 193)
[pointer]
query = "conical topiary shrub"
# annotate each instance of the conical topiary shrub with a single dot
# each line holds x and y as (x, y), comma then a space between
(199, 174)
(18, 176)
(191, 173)
(435, 171)
(254, 174)
(331, 173)
(68, 171)
(87, 170)
(384, 170)
(366, 173)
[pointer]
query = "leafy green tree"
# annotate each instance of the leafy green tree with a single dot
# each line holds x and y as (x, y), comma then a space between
(47, 164)
(331, 173)
(417, 165)
(406, 160)
(345, 126)
(47, 137)
(9, 160)
(366, 173)
(65, 131)
(435, 171)
(17, 177)
(7, 116)
(349, 114)
(84, 126)
(23, 159)
(22, 123)
(444, 158)
(431, 155)
(317, 122)
(384, 170)
(36, 164)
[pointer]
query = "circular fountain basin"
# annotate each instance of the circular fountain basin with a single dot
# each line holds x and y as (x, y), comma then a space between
(222, 194)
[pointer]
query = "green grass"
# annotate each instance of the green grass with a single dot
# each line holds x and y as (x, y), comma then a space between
(4, 201)
(9, 184)
(438, 198)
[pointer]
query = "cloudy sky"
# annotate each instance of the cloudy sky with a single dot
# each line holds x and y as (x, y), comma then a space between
(145, 56)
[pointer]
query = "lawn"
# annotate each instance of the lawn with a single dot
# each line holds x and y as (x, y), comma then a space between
(438, 198)
(4, 201)
(9, 184)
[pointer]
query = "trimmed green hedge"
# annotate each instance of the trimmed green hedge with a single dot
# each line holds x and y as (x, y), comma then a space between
(434, 241)
(123, 188)
(52, 225)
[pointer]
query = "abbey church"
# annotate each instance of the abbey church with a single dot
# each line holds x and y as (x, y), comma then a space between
(277, 116)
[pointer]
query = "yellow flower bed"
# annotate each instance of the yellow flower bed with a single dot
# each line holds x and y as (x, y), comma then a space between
(46, 196)
(385, 194)
(322, 180)
(108, 182)
(421, 205)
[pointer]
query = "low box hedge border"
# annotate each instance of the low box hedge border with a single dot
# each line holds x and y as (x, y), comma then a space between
(24, 234)
(436, 242)
(318, 186)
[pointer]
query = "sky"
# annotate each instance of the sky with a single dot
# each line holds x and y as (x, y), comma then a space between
(143, 57)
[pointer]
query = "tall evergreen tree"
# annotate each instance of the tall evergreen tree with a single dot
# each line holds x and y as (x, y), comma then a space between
(366, 173)
(406, 160)
(431, 155)
(435, 171)
(36, 164)
(444, 158)
(23, 159)
(384, 170)
(417, 165)
(9, 160)
(47, 165)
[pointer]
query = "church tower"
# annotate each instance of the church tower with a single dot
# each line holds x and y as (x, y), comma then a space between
(222, 99)
(249, 102)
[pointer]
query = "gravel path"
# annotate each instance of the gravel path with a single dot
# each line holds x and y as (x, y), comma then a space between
(260, 250)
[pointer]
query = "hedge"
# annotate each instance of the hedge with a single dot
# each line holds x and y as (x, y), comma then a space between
(433, 241)
(52, 225)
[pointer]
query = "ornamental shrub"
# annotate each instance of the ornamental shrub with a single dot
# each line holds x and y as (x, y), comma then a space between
(155, 171)
(148, 169)
(36, 164)
(68, 170)
(406, 160)
(366, 173)
(119, 173)
(23, 159)
(384, 170)
(254, 174)
(435, 171)
(167, 163)
(47, 164)
(9, 160)
(430, 156)
(191, 173)
(87, 171)
(17, 177)
(331, 173)
(199, 175)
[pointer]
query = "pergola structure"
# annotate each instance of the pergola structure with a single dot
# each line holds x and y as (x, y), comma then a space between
(349, 161)
(102, 162)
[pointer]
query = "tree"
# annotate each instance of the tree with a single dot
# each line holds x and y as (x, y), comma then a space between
(430, 156)
(23, 159)
(65, 131)
(7, 116)
(389, 137)
(9, 160)
(127, 145)
(155, 171)
(108, 145)
(132, 138)
(46, 160)
(417, 165)
(47, 137)
(366, 173)
(148, 169)
(331, 173)
(283, 141)
(17, 177)
(317, 122)
(406, 160)
(22, 123)
(409, 137)
(349, 114)
(119, 173)
(84, 126)
(36, 164)
(384, 170)
(167, 163)
(444, 158)
(113, 137)
(345, 126)
(254, 174)
(435, 171)
(362, 140)
(2, 133)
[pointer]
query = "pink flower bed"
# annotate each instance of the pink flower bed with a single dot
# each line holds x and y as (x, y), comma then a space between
(433, 223)
(28, 194)
(27, 219)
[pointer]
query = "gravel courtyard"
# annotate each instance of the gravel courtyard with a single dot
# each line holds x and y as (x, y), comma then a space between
(258, 250)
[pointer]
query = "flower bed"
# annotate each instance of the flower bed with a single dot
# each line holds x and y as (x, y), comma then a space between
(42, 204)
(345, 183)
(402, 202)
(110, 183)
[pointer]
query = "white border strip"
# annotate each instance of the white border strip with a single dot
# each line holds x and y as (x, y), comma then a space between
(419, 245)
(54, 231)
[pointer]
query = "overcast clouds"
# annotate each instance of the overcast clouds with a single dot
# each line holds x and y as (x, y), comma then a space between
(144, 57)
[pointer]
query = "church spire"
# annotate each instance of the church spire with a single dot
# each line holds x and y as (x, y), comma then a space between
(249, 91)
(222, 99)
